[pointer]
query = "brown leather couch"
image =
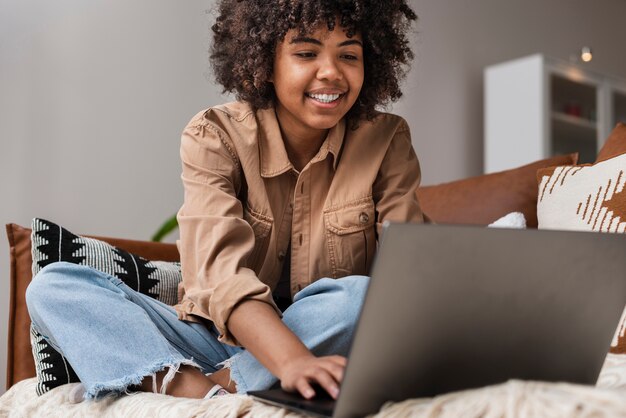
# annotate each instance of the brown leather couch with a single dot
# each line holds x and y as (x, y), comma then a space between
(478, 201)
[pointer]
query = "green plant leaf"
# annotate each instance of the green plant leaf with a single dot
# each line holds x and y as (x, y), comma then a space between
(168, 227)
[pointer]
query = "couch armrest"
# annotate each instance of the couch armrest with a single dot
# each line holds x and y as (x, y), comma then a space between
(20, 364)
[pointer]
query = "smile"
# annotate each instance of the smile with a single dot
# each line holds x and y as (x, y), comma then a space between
(324, 98)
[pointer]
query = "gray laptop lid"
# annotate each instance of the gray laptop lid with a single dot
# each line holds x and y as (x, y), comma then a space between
(456, 307)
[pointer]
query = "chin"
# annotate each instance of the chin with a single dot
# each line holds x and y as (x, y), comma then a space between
(324, 123)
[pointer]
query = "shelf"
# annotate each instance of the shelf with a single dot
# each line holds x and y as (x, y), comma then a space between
(574, 121)
(558, 107)
(573, 129)
(580, 96)
(574, 134)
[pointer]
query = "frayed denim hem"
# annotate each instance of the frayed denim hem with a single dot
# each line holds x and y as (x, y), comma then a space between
(118, 386)
(235, 374)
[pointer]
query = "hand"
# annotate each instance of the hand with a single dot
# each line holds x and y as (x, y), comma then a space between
(301, 373)
(260, 330)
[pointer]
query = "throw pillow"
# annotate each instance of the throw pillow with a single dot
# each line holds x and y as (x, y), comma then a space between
(586, 198)
(589, 198)
(483, 199)
(52, 243)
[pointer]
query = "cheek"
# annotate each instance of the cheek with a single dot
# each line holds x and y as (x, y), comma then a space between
(293, 81)
(356, 80)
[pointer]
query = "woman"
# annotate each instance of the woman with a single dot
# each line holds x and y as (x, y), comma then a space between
(285, 192)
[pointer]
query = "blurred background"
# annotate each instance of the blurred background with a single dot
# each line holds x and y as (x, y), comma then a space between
(94, 95)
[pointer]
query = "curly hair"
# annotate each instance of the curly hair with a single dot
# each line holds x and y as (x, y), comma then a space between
(246, 33)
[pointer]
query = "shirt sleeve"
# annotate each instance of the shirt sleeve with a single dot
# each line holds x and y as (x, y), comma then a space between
(215, 240)
(394, 190)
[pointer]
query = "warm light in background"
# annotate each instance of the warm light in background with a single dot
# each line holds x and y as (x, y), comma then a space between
(585, 54)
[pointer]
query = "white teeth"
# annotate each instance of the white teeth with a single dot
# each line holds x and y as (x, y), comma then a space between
(324, 98)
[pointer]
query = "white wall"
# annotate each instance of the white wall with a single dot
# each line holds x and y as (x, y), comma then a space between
(93, 96)
(457, 38)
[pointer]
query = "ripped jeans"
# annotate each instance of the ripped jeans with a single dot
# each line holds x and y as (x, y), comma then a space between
(114, 336)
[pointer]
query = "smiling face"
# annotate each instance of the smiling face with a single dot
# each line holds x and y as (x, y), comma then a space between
(317, 78)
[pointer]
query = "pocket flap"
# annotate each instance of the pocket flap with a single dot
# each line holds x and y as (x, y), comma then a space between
(352, 218)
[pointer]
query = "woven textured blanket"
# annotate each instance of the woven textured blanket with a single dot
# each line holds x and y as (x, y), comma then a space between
(513, 399)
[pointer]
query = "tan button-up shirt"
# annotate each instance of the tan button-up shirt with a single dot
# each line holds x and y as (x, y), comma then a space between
(245, 202)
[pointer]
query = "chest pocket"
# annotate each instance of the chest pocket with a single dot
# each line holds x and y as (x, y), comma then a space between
(262, 226)
(351, 238)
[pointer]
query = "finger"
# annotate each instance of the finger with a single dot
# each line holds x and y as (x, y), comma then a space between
(340, 360)
(305, 388)
(327, 382)
(335, 370)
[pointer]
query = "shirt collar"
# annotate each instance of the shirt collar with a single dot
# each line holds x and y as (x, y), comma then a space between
(273, 155)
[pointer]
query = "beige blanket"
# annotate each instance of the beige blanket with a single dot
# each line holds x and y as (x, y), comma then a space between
(508, 400)
(511, 399)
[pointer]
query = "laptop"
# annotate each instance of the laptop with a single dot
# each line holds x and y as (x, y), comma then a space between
(458, 307)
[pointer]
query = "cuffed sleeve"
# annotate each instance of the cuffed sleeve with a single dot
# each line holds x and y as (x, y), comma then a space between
(397, 181)
(215, 240)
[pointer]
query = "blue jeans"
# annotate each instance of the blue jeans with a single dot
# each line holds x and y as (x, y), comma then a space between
(114, 337)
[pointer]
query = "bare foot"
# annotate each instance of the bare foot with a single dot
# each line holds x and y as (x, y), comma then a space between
(222, 378)
(189, 382)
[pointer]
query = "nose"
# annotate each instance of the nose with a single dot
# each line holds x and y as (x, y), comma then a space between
(329, 70)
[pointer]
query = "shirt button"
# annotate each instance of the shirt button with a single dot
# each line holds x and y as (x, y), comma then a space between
(364, 218)
(281, 255)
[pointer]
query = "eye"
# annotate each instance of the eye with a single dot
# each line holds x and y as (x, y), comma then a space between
(349, 57)
(305, 54)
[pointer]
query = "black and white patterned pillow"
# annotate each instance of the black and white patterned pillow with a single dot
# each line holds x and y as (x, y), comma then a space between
(52, 243)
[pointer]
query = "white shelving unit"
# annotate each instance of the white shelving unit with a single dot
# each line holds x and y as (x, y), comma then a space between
(538, 106)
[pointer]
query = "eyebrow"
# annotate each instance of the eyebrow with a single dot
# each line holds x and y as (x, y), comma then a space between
(304, 39)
